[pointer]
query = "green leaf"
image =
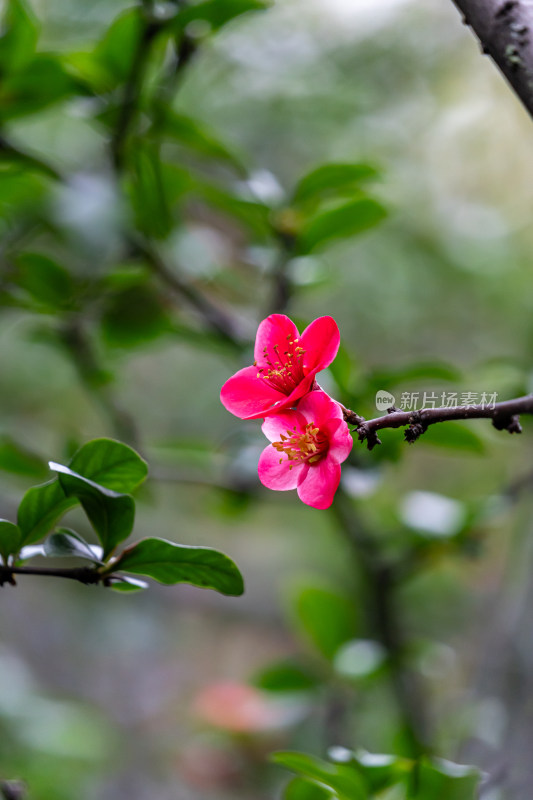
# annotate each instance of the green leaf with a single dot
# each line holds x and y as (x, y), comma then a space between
(21, 191)
(125, 276)
(328, 619)
(342, 779)
(45, 280)
(111, 514)
(339, 222)
(42, 83)
(444, 780)
(106, 462)
(456, 436)
(20, 31)
(331, 179)
(18, 460)
(115, 52)
(40, 508)
(10, 539)
(134, 317)
(148, 192)
(194, 135)
(66, 542)
(286, 676)
(177, 183)
(302, 789)
(168, 562)
(380, 771)
(218, 12)
(255, 216)
(111, 464)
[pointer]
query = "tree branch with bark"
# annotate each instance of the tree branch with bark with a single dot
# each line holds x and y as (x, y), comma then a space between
(504, 416)
(505, 32)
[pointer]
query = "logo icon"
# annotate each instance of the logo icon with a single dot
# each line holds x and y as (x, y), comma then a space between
(384, 400)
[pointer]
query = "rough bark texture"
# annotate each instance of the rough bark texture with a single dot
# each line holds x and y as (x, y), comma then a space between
(505, 31)
(505, 416)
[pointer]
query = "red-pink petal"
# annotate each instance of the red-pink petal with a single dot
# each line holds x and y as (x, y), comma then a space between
(275, 329)
(280, 423)
(276, 475)
(340, 440)
(320, 340)
(247, 396)
(302, 389)
(319, 408)
(320, 484)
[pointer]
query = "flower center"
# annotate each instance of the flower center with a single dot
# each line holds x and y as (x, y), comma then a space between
(310, 446)
(283, 370)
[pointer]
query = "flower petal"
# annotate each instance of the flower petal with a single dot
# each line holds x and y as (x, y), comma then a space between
(278, 476)
(320, 340)
(340, 440)
(247, 396)
(319, 408)
(275, 329)
(302, 389)
(280, 423)
(320, 484)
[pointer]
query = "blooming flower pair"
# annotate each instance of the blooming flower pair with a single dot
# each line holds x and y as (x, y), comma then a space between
(309, 437)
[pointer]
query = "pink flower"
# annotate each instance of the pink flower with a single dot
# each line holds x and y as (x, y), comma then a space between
(284, 369)
(308, 447)
(239, 708)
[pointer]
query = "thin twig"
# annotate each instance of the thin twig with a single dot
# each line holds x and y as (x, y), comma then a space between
(215, 318)
(382, 581)
(85, 575)
(504, 416)
(282, 285)
(183, 54)
(132, 90)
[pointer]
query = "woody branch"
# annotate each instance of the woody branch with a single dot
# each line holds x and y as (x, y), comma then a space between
(504, 416)
(86, 575)
(505, 32)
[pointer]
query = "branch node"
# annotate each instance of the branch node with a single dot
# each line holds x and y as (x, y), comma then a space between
(7, 577)
(88, 576)
(367, 434)
(416, 427)
(507, 423)
(505, 9)
(414, 432)
(352, 418)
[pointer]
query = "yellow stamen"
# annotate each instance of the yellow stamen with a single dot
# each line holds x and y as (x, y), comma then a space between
(309, 445)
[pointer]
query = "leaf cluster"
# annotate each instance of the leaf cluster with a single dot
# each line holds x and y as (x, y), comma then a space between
(99, 478)
(365, 776)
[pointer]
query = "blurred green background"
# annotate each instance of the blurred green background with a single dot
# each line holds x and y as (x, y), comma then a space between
(110, 244)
